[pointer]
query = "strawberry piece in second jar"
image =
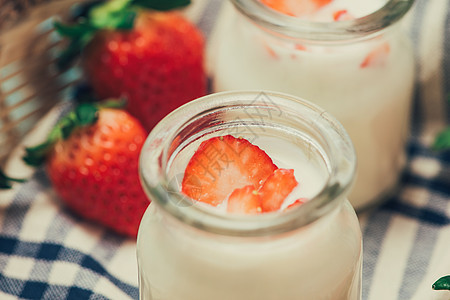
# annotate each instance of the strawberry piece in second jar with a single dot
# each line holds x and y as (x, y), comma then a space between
(377, 57)
(296, 7)
(278, 5)
(342, 15)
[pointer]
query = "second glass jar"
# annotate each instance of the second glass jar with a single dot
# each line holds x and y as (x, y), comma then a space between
(360, 70)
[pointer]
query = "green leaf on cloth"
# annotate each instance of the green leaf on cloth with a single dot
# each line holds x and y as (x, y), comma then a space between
(442, 283)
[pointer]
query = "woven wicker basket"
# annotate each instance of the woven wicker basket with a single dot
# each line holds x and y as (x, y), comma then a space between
(30, 85)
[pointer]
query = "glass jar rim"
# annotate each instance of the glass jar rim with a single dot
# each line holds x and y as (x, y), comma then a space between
(294, 27)
(156, 183)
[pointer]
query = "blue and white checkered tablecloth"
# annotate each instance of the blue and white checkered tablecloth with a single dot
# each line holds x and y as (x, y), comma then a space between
(46, 252)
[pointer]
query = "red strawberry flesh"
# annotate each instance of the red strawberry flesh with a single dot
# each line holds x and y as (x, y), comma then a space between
(276, 188)
(222, 164)
(245, 200)
(342, 15)
(377, 57)
(296, 203)
(296, 7)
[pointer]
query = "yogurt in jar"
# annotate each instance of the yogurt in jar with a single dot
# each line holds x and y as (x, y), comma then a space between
(190, 264)
(190, 251)
(364, 79)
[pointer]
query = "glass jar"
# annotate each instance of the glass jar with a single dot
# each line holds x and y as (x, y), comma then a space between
(190, 251)
(360, 70)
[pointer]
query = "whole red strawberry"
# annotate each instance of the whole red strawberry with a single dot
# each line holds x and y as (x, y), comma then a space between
(94, 167)
(152, 58)
(157, 66)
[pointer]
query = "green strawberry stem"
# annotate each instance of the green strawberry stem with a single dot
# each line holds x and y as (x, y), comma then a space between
(442, 283)
(5, 181)
(84, 114)
(112, 15)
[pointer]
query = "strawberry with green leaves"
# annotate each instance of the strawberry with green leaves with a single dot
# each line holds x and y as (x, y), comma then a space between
(6, 182)
(140, 50)
(91, 157)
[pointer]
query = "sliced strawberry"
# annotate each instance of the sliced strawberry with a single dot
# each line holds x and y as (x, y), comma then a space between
(321, 3)
(245, 200)
(377, 57)
(342, 15)
(222, 164)
(276, 188)
(278, 5)
(271, 52)
(300, 47)
(296, 7)
(297, 203)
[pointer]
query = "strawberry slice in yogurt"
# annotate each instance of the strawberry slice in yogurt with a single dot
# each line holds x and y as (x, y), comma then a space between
(239, 174)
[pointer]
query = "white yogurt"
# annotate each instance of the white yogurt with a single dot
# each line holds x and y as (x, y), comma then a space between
(319, 261)
(370, 94)
(354, 8)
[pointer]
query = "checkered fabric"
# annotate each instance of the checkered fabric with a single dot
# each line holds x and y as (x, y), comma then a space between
(46, 252)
